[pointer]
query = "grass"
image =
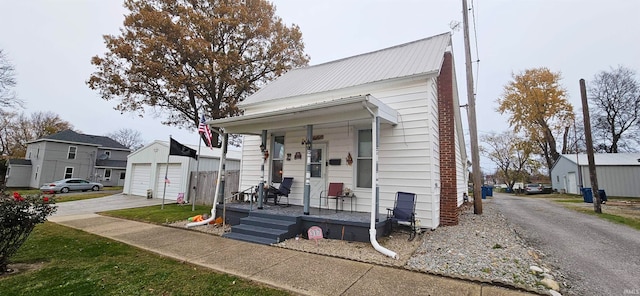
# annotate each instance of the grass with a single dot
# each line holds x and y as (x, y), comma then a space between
(154, 214)
(78, 263)
(634, 223)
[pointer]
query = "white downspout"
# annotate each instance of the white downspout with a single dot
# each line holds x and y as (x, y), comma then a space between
(374, 181)
(223, 157)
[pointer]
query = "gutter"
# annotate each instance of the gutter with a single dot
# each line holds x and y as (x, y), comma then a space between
(374, 181)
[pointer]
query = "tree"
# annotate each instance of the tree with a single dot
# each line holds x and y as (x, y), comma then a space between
(7, 82)
(127, 137)
(511, 156)
(537, 106)
(187, 58)
(21, 129)
(615, 110)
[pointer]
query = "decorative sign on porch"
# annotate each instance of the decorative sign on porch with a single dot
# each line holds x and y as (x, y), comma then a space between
(315, 233)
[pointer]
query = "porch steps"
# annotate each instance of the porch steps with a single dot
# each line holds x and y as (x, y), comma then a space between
(264, 228)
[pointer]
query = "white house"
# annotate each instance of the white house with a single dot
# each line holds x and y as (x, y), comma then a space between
(147, 167)
(618, 173)
(380, 122)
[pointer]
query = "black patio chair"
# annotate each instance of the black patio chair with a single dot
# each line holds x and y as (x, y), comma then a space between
(283, 190)
(403, 212)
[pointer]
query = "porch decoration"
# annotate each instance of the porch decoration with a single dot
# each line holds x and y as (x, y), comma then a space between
(265, 152)
(288, 156)
(349, 159)
(298, 155)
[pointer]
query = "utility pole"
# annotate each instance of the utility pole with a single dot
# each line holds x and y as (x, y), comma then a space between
(587, 135)
(473, 129)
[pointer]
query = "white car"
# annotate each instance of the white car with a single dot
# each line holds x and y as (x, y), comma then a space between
(71, 184)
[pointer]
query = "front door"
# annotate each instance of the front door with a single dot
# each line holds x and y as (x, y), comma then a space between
(318, 172)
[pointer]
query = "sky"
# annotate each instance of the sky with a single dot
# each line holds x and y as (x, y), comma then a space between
(50, 43)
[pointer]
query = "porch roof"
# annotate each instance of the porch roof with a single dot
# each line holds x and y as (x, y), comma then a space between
(326, 112)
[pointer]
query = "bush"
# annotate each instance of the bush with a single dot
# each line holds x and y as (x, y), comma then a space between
(18, 216)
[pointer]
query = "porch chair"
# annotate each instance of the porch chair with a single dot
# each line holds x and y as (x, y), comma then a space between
(283, 190)
(334, 191)
(403, 212)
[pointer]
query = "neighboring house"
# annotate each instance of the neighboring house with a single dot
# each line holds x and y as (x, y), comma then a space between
(618, 173)
(147, 167)
(331, 116)
(69, 154)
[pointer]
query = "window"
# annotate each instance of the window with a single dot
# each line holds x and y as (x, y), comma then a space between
(107, 173)
(122, 175)
(277, 159)
(38, 153)
(72, 152)
(316, 163)
(68, 172)
(364, 159)
(108, 154)
(37, 171)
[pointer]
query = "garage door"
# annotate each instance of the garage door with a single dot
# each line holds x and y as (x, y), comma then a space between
(174, 185)
(141, 173)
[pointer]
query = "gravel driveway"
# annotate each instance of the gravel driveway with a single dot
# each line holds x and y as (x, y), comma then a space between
(597, 257)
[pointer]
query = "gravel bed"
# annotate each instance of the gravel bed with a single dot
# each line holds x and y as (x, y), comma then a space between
(482, 248)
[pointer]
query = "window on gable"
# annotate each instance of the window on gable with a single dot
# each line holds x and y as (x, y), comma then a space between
(277, 159)
(68, 172)
(72, 152)
(108, 154)
(364, 159)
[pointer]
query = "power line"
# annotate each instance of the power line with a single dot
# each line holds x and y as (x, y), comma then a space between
(475, 37)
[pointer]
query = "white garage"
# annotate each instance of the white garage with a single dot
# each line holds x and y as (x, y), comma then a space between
(147, 167)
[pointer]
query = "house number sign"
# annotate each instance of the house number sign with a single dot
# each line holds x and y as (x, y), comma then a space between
(315, 233)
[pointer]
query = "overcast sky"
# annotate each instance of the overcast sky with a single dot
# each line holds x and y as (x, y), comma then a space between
(50, 43)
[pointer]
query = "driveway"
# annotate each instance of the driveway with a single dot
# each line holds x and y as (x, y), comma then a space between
(119, 201)
(596, 256)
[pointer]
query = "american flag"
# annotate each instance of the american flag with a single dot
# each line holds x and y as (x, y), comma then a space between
(205, 132)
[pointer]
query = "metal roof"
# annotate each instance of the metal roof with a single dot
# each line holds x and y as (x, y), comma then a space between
(606, 158)
(19, 161)
(415, 58)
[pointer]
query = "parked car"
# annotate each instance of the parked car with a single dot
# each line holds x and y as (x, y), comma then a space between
(71, 184)
(533, 188)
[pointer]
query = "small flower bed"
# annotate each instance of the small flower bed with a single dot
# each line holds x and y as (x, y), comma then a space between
(18, 216)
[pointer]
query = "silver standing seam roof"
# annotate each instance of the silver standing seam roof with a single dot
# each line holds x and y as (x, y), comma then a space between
(419, 57)
(606, 158)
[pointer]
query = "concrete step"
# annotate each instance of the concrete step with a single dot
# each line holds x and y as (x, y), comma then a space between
(267, 223)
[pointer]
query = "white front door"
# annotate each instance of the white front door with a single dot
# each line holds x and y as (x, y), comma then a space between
(318, 172)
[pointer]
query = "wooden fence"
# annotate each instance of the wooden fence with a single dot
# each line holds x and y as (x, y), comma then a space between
(206, 184)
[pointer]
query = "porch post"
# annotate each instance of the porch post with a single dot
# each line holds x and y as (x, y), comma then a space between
(307, 176)
(375, 139)
(263, 147)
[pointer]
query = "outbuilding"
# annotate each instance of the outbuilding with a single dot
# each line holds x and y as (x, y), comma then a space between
(150, 170)
(617, 173)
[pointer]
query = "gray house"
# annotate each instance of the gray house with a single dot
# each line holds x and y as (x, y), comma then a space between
(617, 173)
(69, 154)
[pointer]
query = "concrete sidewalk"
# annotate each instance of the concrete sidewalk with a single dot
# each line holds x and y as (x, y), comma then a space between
(298, 272)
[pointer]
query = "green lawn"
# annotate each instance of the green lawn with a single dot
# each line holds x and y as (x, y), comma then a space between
(79, 263)
(154, 214)
(635, 223)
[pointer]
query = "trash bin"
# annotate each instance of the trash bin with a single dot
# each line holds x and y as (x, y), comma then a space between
(484, 192)
(509, 190)
(603, 195)
(489, 190)
(587, 195)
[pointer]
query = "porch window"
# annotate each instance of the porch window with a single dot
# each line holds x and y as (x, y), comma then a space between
(68, 172)
(72, 152)
(277, 159)
(364, 159)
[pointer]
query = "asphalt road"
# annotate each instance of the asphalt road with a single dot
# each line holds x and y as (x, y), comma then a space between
(597, 257)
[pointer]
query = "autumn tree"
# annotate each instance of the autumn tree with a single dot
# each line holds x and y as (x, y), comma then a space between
(187, 58)
(537, 106)
(511, 155)
(7, 82)
(614, 98)
(21, 129)
(127, 137)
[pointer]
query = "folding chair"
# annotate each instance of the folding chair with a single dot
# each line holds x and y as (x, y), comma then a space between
(334, 191)
(283, 190)
(403, 212)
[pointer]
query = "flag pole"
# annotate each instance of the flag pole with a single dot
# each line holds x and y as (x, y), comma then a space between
(166, 171)
(193, 203)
